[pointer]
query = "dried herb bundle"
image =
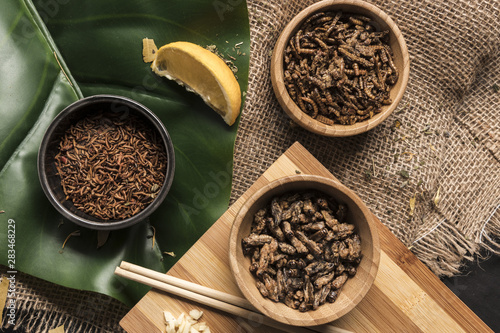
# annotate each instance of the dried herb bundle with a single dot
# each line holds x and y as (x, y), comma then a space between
(302, 251)
(339, 69)
(111, 168)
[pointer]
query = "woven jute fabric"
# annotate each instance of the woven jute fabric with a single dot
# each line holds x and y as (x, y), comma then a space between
(441, 147)
(41, 306)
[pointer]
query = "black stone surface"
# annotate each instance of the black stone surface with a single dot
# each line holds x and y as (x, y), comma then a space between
(479, 289)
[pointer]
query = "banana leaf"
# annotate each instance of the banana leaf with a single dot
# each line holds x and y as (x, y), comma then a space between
(53, 53)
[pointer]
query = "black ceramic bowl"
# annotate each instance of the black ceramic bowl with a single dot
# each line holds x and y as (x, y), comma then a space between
(49, 147)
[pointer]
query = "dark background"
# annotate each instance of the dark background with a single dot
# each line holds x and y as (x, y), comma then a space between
(479, 289)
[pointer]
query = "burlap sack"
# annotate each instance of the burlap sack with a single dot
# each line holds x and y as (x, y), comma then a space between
(441, 147)
(42, 306)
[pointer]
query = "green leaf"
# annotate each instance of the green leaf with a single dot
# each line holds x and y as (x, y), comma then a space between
(55, 52)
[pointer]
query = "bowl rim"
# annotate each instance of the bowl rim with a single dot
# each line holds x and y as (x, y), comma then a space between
(289, 106)
(234, 243)
(123, 101)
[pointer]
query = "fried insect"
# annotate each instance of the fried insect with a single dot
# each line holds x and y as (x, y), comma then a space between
(301, 249)
(338, 70)
(110, 166)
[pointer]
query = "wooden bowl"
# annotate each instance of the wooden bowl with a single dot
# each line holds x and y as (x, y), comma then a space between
(401, 60)
(354, 289)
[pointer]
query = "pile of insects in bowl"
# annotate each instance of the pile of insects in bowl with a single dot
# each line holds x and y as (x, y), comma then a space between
(339, 69)
(111, 167)
(301, 250)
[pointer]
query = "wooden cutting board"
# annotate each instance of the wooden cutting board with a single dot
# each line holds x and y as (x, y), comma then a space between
(406, 295)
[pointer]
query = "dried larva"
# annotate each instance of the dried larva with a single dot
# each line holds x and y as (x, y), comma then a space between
(338, 70)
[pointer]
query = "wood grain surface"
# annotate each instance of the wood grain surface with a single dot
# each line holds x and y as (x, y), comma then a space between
(405, 297)
(352, 292)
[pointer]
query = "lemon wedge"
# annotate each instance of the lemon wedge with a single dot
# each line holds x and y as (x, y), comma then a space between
(203, 72)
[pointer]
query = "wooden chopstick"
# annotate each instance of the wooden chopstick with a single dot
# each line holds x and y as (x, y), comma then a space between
(214, 303)
(180, 283)
(214, 298)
